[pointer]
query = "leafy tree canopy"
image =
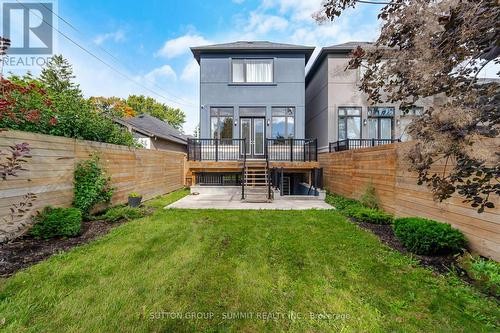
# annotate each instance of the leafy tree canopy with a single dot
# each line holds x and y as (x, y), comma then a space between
(142, 104)
(54, 104)
(438, 48)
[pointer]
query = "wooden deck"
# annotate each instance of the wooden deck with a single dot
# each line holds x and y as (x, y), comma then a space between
(236, 166)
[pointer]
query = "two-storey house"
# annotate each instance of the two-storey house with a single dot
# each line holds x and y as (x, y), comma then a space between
(340, 115)
(252, 121)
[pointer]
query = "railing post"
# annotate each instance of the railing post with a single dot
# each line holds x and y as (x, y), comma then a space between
(281, 182)
(347, 143)
(316, 149)
(216, 150)
(373, 142)
(291, 150)
(304, 150)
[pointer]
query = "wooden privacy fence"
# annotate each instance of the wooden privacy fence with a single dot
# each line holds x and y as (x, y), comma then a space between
(53, 161)
(349, 172)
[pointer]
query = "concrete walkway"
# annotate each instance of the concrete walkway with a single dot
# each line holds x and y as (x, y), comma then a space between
(211, 201)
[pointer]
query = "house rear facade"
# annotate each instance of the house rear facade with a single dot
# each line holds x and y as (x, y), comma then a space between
(252, 119)
(340, 115)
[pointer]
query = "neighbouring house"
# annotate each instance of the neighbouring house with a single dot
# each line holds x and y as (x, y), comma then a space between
(154, 133)
(340, 115)
(252, 122)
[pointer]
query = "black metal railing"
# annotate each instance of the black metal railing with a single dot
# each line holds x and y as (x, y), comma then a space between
(349, 144)
(292, 150)
(216, 149)
(219, 179)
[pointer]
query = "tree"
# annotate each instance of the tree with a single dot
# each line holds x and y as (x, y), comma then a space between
(112, 106)
(438, 48)
(142, 104)
(55, 105)
(58, 75)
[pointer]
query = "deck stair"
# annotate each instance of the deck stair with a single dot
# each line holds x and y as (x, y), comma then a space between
(256, 180)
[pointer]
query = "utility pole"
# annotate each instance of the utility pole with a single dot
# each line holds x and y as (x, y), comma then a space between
(4, 46)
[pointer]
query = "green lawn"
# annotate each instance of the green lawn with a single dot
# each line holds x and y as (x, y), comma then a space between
(257, 263)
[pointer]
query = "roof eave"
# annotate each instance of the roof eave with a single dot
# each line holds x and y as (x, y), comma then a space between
(198, 51)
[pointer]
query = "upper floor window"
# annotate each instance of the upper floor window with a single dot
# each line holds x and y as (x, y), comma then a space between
(283, 123)
(252, 70)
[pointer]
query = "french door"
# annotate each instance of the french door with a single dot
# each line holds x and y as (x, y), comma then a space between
(253, 129)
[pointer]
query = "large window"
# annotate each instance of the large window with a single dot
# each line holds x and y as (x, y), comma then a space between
(283, 123)
(221, 123)
(252, 70)
(349, 123)
(380, 122)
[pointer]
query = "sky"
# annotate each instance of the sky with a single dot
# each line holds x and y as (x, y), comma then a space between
(147, 42)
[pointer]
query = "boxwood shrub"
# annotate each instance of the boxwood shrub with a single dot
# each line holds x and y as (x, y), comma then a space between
(423, 236)
(370, 215)
(57, 222)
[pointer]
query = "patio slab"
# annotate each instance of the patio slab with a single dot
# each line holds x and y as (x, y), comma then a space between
(210, 201)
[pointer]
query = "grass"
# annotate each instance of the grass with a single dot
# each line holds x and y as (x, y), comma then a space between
(312, 271)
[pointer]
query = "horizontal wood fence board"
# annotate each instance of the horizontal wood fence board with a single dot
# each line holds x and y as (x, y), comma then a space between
(387, 169)
(53, 161)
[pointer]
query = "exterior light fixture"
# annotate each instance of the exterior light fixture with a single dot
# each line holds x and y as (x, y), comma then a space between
(365, 122)
(268, 122)
(236, 123)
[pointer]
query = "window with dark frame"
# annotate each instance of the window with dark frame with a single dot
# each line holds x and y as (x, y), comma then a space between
(221, 122)
(349, 122)
(283, 123)
(252, 70)
(381, 122)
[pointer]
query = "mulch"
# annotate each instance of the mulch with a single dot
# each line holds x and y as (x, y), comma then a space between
(439, 263)
(26, 251)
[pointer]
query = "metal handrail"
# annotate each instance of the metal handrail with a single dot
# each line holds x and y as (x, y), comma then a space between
(243, 180)
(300, 150)
(348, 144)
(216, 149)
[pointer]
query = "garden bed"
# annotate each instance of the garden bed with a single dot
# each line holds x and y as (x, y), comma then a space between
(26, 251)
(440, 263)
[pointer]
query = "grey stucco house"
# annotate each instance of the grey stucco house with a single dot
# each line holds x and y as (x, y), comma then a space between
(252, 116)
(336, 110)
(252, 79)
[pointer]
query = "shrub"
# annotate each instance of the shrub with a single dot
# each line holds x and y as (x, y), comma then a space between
(370, 215)
(341, 203)
(57, 222)
(423, 236)
(134, 195)
(485, 272)
(118, 213)
(369, 198)
(92, 186)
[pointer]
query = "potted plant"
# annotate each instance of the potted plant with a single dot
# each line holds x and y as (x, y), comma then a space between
(134, 199)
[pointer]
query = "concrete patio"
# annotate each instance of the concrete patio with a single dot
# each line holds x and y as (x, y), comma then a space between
(212, 201)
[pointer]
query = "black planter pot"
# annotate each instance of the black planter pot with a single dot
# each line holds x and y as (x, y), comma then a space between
(134, 202)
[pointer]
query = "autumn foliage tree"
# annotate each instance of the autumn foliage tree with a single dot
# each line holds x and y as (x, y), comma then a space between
(439, 48)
